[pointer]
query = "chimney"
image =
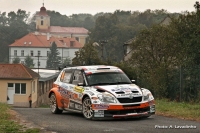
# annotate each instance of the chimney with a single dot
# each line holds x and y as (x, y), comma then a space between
(48, 36)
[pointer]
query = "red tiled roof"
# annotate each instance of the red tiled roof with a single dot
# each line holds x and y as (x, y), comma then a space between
(67, 30)
(16, 71)
(33, 40)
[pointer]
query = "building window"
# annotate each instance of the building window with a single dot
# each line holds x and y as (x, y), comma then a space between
(77, 38)
(38, 53)
(42, 22)
(31, 53)
(48, 52)
(20, 88)
(33, 85)
(15, 52)
(38, 63)
(10, 84)
(71, 43)
(22, 52)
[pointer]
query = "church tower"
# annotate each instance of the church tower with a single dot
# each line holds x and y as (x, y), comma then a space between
(42, 19)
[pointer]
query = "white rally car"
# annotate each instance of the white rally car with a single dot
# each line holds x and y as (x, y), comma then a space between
(100, 92)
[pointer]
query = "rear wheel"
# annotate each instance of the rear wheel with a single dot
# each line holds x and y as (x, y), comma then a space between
(87, 108)
(53, 105)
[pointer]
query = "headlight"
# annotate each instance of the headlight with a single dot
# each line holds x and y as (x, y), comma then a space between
(147, 95)
(107, 98)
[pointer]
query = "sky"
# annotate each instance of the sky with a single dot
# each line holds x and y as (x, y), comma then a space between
(69, 7)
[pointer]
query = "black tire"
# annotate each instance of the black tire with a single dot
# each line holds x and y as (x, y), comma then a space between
(53, 105)
(88, 113)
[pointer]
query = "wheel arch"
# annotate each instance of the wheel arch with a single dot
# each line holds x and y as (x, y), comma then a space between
(50, 93)
(57, 95)
(84, 96)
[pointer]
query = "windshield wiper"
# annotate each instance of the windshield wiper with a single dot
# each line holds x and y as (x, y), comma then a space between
(120, 83)
(100, 84)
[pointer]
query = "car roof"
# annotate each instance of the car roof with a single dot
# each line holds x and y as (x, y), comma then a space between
(93, 67)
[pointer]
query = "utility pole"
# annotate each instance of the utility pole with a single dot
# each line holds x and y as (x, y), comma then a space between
(102, 42)
(181, 83)
(38, 62)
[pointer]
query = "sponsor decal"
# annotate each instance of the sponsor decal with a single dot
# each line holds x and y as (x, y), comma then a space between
(124, 89)
(98, 113)
(78, 89)
(65, 103)
(71, 87)
(90, 93)
(130, 95)
(75, 106)
(101, 106)
(62, 85)
(67, 94)
(86, 88)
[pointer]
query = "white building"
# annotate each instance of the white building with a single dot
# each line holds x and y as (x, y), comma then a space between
(36, 45)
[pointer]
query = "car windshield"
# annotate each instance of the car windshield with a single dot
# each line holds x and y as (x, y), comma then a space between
(107, 78)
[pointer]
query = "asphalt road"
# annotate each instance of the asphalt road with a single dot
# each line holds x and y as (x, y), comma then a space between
(69, 122)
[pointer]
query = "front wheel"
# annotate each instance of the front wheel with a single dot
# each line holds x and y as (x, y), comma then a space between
(87, 108)
(53, 105)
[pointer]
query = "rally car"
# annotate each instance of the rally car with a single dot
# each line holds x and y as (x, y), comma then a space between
(100, 92)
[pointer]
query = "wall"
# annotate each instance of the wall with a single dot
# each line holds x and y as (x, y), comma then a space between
(19, 99)
(43, 53)
(43, 91)
(46, 22)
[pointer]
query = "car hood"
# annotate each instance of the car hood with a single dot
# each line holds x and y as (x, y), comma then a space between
(121, 90)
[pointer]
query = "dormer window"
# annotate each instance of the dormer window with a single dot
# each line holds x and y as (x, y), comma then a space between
(24, 43)
(77, 38)
(29, 43)
(71, 43)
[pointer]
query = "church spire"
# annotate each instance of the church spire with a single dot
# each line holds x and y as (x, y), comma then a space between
(43, 3)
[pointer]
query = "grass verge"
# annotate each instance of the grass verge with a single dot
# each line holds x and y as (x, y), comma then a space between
(178, 109)
(7, 125)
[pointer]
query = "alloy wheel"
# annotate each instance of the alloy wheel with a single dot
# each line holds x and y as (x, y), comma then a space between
(87, 108)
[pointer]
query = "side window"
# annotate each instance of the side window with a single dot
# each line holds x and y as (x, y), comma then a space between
(66, 76)
(77, 77)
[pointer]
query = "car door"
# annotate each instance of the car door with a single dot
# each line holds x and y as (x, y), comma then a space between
(66, 88)
(77, 93)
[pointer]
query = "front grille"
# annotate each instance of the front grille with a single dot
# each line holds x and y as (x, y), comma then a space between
(121, 92)
(122, 112)
(128, 100)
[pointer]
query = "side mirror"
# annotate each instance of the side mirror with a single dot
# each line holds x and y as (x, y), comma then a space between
(80, 84)
(133, 81)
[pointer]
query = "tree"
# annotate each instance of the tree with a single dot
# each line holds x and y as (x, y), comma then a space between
(29, 62)
(16, 60)
(53, 60)
(66, 62)
(197, 5)
(88, 55)
(155, 55)
(12, 27)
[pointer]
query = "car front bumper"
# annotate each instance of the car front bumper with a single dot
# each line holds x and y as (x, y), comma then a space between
(124, 111)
